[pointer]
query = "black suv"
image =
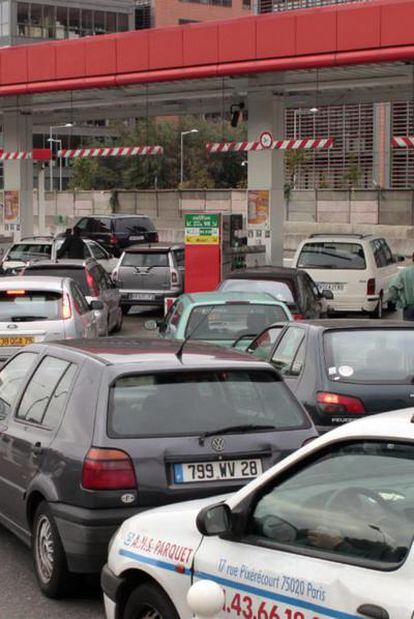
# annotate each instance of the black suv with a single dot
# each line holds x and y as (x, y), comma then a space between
(94, 431)
(115, 232)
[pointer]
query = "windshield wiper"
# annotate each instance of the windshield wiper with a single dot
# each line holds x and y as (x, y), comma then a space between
(27, 318)
(235, 430)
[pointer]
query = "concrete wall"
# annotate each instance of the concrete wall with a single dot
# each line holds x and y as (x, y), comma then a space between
(389, 213)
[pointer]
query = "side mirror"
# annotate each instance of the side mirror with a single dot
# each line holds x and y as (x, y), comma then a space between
(214, 519)
(97, 305)
(399, 258)
(151, 325)
(327, 294)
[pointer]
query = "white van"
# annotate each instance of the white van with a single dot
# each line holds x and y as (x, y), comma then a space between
(357, 268)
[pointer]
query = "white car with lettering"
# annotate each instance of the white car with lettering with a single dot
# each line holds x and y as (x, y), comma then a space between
(325, 534)
(357, 268)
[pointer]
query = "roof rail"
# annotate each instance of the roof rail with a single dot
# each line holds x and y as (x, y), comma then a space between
(38, 237)
(344, 234)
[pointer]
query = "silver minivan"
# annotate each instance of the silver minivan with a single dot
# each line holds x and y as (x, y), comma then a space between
(147, 274)
(34, 309)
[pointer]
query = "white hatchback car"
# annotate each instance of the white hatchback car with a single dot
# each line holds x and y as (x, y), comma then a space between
(324, 534)
(357, 268)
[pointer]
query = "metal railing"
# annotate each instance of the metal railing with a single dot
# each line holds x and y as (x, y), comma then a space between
(270, 6)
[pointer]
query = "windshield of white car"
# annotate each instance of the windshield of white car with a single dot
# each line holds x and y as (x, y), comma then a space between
(198, 401)
(25, 252)
(29, 306)
(231, 321)
(332, 255)
(370, 355)
(279, 290)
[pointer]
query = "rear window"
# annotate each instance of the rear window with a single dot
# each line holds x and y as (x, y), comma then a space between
(134, 225)
(279, 290)
(78, 275)
(183, 403)
(232, 320)
(30, 251)
(30, 305)
(332, 255)
(370, 356)
(145, 259)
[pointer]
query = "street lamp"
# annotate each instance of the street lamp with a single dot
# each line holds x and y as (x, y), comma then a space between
(51, 129)
(59, 142)
(183, 133)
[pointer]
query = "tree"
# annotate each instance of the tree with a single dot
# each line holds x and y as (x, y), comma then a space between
(201, 169)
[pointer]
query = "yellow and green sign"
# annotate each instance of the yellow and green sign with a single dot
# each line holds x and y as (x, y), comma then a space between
(202, 229)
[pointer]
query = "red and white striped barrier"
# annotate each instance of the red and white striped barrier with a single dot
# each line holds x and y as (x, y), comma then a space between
(406, 141)
(117, 151)
(37, 154)
(305, 143)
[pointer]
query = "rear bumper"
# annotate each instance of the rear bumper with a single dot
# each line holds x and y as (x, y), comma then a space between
(85, 534)
(157, 297)
(361, 304)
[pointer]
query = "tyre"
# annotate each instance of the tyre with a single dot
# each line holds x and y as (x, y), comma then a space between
(391, 307)
(118, 325)
(49, 559)
(378, 311)
(125, 309)
(149, 602)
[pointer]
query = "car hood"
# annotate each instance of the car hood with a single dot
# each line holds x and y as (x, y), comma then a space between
(167, 534)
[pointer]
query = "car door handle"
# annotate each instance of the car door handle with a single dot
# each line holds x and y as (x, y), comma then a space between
(371, 610)
(37, 449)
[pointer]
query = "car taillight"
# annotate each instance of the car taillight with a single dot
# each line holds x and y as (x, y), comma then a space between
(114, 240)
(298, 316)
(334, 403)
(92, 285)
(371, 286)
(174, 277)
(66, 307)
(156, 237)
(108, 469)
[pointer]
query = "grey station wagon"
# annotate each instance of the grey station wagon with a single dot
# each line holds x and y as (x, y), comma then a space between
(93, 431)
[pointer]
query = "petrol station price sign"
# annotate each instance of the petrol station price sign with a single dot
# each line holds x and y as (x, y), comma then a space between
(202, 229)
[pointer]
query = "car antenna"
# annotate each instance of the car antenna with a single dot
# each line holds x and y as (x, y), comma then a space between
(180, 351)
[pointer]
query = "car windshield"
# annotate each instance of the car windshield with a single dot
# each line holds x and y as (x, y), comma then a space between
(232, 320)
(194, 402)
(279, 290)
(25, 252)
(370, 355)
(145, 259)
(134, 225)
(332, 255)
(78, 275)
(30, 305)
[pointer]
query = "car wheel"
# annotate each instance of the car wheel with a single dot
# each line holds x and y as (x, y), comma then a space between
(49, 557)
(118, 325)
(125, 309)
(149, 602)
(391, 307)
(378, 311)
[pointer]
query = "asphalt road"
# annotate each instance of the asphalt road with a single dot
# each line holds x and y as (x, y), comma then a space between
(19, 596)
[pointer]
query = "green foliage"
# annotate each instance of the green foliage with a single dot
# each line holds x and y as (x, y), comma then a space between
(201, 170)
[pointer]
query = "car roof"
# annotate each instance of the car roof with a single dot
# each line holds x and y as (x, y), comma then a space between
(122, 350)
(340, 237)
(35, 240)
(265, 272)
(66, 263)
(152, 248)
(32, 283)
(114, 216)
(217, 298)
(355, 323)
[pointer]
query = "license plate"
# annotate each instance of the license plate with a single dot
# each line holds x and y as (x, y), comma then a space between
(140, 296)
(330, 286)
(137, 238)
(16, 341)
(216, 471)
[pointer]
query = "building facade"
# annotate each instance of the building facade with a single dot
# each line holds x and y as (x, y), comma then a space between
(157, 13)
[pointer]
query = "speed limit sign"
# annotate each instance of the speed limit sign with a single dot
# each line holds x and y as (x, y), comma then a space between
(266, 139)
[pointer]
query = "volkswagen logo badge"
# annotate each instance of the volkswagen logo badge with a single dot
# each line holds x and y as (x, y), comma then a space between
(12, 326)
(218, 443)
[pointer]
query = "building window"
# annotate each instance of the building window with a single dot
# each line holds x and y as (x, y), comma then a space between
(182, 22)
(227, 3)
(143, 16)
(349, 164)
(4, 19)
(402, 159)
(268, 6)
(47, 21)
(247, 4)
